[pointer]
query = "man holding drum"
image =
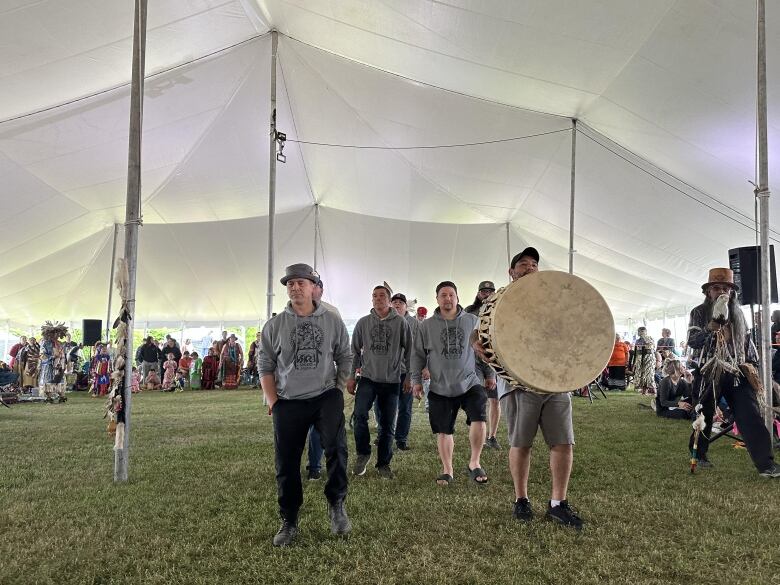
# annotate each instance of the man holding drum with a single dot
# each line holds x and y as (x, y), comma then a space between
(442, 343)
(527, 411)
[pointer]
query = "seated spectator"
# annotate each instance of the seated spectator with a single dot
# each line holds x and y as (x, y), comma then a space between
(7, 376)
(666, 341)
(152, 381)
(675, 392)
(617, 364)
(185, 364)
(181, 380)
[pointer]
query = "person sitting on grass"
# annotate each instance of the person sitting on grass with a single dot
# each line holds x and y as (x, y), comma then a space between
(152, 381)
(181, 380)
(675, 392)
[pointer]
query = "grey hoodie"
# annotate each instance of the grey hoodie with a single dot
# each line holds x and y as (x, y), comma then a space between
(300, 351)
(381, 347)
(444, 346)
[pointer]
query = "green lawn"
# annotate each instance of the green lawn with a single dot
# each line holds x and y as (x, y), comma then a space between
(201, 505)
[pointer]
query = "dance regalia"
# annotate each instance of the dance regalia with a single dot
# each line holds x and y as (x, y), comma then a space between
(101, 368)
(197, 366)
(230, 367)
(644, 363)
(51, 379)
(30, 359)
(209, 372)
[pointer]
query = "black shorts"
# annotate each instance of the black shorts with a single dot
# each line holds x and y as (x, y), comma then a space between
(443, 410)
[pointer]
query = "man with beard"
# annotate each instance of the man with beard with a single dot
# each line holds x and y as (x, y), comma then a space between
(303, 388)
(442, 343)
(526, 411)
(727, 360)
(487, 288)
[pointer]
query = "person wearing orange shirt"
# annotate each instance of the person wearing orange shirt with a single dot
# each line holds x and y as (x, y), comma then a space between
(616, 367)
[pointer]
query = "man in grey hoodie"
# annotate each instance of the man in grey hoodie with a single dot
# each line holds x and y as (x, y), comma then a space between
(302, 388)
(381, 345)
(443, 343)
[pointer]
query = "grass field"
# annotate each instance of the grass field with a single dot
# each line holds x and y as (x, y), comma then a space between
(200, 506)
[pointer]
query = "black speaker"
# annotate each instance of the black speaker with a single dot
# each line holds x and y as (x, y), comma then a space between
(747, 272)
(91, 330)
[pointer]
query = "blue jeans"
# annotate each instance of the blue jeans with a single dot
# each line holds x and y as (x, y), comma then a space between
(315, 450)
(404, 421)
(386, 396)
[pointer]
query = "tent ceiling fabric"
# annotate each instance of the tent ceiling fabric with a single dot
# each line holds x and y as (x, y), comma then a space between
(657, 85)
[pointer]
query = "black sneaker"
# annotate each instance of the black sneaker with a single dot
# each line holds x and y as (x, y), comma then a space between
(403, 447)
(385, 472)
(287, 533)
(523, 511)
(704, 463)
(773, 471)
(360, 464)
(564, 515)
(314, 474)
(492, 443)
(339, 521)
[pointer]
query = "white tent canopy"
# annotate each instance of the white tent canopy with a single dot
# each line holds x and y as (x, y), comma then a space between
(363, 86)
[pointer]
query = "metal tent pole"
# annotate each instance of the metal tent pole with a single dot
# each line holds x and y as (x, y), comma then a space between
(272, 179)
(573, 182)
(132, 221)
(7, 334)
(762, 192)
(508, 246)
(111, 283)
(316, 232)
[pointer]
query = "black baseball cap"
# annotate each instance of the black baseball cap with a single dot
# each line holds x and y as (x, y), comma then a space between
(486, 285)
(399, 297)
(530, 252)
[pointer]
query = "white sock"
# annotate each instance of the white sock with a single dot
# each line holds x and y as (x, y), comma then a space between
(554, 503)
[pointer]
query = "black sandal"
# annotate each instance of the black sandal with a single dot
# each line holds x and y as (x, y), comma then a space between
(446, 478)
(477, 473)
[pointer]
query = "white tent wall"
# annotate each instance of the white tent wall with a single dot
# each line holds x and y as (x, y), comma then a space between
(671, 81)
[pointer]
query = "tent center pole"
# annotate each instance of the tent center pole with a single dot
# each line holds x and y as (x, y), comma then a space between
(762, 192)
(132, 223)
(573, 182)
(272, 179)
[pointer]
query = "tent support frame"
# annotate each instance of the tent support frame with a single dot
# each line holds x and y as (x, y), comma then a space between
(111, 283)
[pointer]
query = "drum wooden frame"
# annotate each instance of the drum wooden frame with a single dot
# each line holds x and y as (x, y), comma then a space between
(549, 332)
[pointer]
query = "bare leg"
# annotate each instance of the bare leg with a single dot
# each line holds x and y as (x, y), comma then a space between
(519, 465)
(561, 458)
(477, 440)
(446, 445)
(494, 415)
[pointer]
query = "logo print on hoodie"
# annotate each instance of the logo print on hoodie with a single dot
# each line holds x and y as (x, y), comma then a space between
(452, 343)
(306, 340)
(380, 339)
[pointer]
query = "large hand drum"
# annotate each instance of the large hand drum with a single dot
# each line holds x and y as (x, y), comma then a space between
(548, 331)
